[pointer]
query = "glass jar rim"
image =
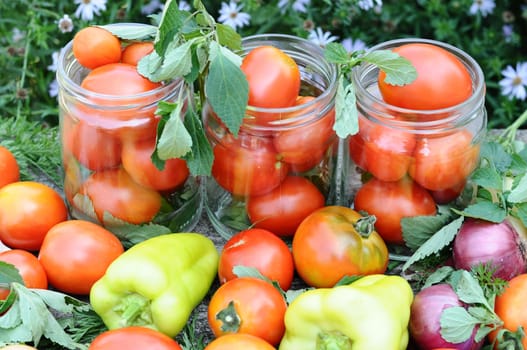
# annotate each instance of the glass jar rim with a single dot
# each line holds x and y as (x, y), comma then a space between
(454, 112)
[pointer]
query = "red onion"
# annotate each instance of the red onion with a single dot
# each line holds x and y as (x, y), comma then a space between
(502, 245)
(425, 317)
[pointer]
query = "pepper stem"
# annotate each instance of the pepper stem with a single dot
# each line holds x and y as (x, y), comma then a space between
(334, 340)
(134, 310)
(365, 225)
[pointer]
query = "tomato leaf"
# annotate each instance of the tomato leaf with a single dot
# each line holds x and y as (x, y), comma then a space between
(346, 114)
(176, 63)
(468, 289)
(172, 22)
(457, 324)
(199, 160)
(174, 141)
(226, 88)
(399, 70)
(487, 177)
(485, 210)
(144, 32)
(9, 273)
(336, 53)
(130, 234)
(519, 192)
(418, 229)
(438, 241)
(228, 37)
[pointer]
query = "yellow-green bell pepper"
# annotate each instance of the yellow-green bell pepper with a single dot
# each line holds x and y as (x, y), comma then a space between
(371, 313)
(156, 283)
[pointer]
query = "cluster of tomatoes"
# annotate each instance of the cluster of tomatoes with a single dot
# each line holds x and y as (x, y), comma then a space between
(412, 171)
(264, 164)
(109, 133)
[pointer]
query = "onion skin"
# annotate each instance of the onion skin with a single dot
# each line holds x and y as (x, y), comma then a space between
(425, 316)
(500, 244)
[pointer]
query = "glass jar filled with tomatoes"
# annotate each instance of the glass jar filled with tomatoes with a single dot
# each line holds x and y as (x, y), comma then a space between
(418, 143)
(108, 125)
(286, 159)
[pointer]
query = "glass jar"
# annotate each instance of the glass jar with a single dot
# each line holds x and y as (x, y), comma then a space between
(107, 141)
(408, 161)
(281, 167)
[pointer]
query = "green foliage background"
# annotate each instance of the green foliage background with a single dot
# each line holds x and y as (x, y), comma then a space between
(25, 77)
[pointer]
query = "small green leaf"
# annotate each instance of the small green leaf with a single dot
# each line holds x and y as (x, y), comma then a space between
(346, 114)
(497, 155)
(457, 324)
(485, 210)
(11, 312)
(249, 271)
(143, 32)
(228, 37)
(487, 177)
(130, 234)
(9, 273)
(439, 275)
(227, 89)
(520, 211)
(176, 63)
(418, 229)
(399, 70)
(336, 53)
(175, 140)
(172, 22)
(438, 241)
(199, 160)
(468, 289)
(519, 192)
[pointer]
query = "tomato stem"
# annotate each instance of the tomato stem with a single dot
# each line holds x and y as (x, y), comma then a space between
(229, 317)
(333, 341)
(365, 225)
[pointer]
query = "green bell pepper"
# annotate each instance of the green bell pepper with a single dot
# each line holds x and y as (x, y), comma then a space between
(371, 313)
(156, 283)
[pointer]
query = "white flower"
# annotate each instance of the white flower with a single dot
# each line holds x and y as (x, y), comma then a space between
(514, 82)
(485, 7)
(55, 57)
(508, 31)
(151, 7)
(321, 38)
(298, 5)
(231, 15)
(88, 8)
(369, 4)
(353, 45)
(53, 88)
(184, 6)
(65, 24)
(18, 35)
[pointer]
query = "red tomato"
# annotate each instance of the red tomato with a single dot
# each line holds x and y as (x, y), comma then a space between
(95, 46)
(239, 341)
(115, 192)
(448, 194)
(510, 306)
(134, 52)
(68, 251)
(390, 202)
(388, 152)
(248, 305)
(85, 142)
(441, 163)
(117, 79)
(442, 79)
(28, 266)
(9, 170)
(27, 211)
(260, 249)
(133, 338)
(273, 77)
(138, 163)
(283, 209)
(329, 245)
(247, 165)
(306, 144)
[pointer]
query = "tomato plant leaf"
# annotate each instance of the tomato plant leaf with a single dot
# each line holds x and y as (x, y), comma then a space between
(143, 32)
(176, 63)
(9, 273)
(439, 275)
(520, 211)
(399, 70)
(486, 210)
(487, 177)
(438, 241)
(175, 140)
(336, 53)
(519, 193)
(130, 234)
(227, 89)
(199, 160)
(418, 229)
(457, 324)
(11, 315)
(228, 37)
(172, 23)
(496, 154)
(468, 289)
(346, 114)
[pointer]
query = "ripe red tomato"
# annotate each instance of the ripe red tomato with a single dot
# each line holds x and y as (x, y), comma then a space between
(247, 165)
(239, 341)
(248, 305)
(510, 306)
(283, 209)
(68, 251)
(94, 47)
(115, 192)
(260, 249)
(28, 210)
(85, 143)
(329, 245)
(9, 170)
(133, 338)
(273, 77)
(444, 162)
(28, 266)
(442, 79)
(137, 162)
(306, 144)
(134, 52)
(390, 202)
(388, 152)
